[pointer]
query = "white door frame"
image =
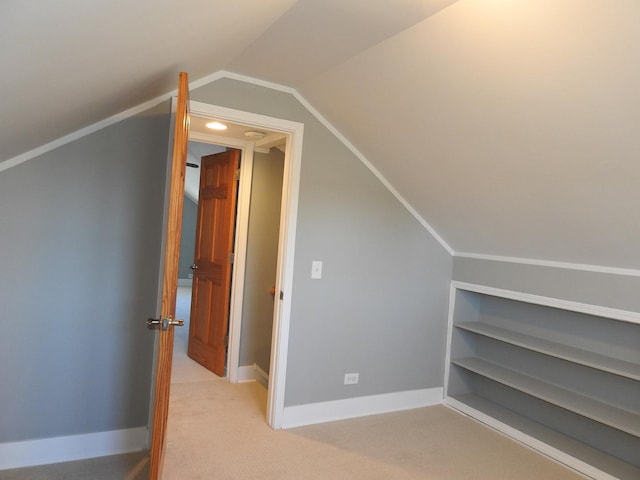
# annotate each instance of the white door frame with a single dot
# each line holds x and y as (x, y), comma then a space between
(286, 242)
(240, 243)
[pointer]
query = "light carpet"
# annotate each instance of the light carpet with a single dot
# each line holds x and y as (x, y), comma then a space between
(218, 431)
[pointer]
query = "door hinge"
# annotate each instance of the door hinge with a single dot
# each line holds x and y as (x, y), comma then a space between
(231, 258)
(281, 295)
(237, 174)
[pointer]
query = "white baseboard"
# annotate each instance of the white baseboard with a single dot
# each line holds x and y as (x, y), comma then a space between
(551, 452)
(253, 373)
(74, 447)
(246, 374)
(262, 377)
(299, 415)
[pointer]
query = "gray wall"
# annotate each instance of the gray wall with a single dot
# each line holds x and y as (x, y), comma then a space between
(188, 237)
(80, 232)
(81, 227)
(262, 255)
(605, 289)
(381, 307)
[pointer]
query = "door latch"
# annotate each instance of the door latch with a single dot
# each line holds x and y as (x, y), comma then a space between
(164, 323)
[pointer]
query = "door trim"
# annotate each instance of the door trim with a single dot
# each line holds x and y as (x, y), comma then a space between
(286, 246)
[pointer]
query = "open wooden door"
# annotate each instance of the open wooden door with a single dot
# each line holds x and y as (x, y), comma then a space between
(215, 231)
(170, 279)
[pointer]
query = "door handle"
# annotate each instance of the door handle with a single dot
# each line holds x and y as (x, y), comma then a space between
(194, 267)
(164, 323)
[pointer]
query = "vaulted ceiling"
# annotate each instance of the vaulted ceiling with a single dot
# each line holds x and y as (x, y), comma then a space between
(511, 127)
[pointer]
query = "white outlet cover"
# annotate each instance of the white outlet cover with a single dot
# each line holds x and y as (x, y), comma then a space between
(351, 378)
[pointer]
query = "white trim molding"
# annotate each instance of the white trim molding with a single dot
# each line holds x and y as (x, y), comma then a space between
(94, 127)
(630, 272)
(312, 413)
(83, 132)
(73, 447)
(294, 132)
(597, 310)
(262, 377)
(253, 373)
(246, 373)
(204, 81)
(242, 225)
(318, 116)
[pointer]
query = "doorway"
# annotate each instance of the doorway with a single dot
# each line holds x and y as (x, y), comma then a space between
(267, 167)
(291, 133)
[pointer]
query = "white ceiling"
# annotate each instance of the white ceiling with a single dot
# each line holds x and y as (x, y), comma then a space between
(512, 127)
(216, 142)
(264, 141)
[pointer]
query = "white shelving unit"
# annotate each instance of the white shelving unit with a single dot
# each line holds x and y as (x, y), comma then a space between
(563, 378)
(558, 350)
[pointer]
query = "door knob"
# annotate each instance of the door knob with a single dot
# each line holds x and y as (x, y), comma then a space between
(164, 323)
(194, 267)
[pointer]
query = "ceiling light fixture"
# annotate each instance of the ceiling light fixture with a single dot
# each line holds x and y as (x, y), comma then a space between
(254, 135)
(216, 126)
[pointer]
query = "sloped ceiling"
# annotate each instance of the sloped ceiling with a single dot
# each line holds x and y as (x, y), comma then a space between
(511, 127)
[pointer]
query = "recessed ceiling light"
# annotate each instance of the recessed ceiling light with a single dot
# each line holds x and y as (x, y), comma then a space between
(216, 126)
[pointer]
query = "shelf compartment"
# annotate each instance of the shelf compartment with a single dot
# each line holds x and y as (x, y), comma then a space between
(589, 457)
(554, 349)
(620, 419)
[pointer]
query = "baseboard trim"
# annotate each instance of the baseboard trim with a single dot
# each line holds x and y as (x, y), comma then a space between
(253, 373)
(299, 415)
(74, 447)
(261, 376)
(246, 374)
(529, 441)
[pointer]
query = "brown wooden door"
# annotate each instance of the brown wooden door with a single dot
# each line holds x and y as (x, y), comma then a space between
(170, 278)
(209, 322)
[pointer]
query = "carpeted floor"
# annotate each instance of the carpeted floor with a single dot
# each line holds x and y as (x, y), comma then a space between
(217, 431)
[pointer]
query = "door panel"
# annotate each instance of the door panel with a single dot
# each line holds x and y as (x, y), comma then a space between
(215, 232)
(170, 278)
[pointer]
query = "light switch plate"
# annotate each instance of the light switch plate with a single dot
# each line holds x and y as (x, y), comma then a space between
(316, 269)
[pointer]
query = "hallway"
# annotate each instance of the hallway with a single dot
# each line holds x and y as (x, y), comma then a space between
(184, 369)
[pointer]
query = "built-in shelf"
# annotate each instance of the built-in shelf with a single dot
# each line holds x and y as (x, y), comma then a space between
(562, 445)
(561, 377)
(606, 414)
(554, 349)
